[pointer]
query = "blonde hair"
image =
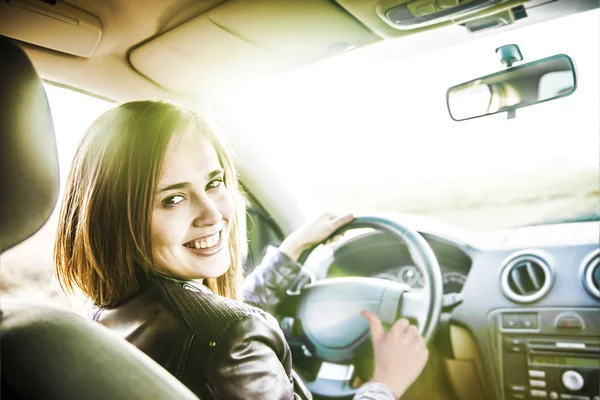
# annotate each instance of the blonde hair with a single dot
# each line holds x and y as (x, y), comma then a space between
(103, 243)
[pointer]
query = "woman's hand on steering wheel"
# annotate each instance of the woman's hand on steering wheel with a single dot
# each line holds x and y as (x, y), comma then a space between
(327, 312)
(312, 233)
(400, 354)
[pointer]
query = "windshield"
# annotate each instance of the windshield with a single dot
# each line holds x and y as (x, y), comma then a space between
(370, 132)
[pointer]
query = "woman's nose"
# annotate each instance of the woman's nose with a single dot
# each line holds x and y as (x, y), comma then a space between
(207, 212)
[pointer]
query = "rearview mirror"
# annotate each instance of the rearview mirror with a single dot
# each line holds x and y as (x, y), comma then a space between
(536, 82)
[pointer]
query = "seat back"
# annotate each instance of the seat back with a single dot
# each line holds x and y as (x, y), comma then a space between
(28, 158)
(48, 353)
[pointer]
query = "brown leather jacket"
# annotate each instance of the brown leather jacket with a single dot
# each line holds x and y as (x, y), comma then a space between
(210, 343)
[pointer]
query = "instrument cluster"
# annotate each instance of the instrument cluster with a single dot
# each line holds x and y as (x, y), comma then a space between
(413, 276)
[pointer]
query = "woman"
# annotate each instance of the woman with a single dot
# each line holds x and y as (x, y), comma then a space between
(266, 286)
(148, 214)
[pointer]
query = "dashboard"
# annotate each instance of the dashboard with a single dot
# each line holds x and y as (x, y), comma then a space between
(379, 255)
(412, 276)
(527, 324)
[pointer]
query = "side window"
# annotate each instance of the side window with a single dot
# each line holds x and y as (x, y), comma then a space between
(261, 230)
(27, 269)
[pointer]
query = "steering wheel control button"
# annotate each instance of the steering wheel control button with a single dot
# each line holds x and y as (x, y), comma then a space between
(537, 374)
(540, 394)
(572, 380)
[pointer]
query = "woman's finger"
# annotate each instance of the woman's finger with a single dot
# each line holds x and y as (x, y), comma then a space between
(377, 331)
(341, 220)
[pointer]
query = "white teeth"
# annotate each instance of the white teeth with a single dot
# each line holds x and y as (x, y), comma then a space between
(204, 243)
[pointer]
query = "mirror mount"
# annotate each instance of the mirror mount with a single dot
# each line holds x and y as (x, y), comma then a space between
(509, 54)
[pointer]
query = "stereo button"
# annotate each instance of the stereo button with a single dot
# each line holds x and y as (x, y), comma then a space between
(572, 381)
(537, 374)
(569, 322)
(516, 349)
(511, 321)
(536, 383)
(514, 342)
(529, 321)
(538, 393)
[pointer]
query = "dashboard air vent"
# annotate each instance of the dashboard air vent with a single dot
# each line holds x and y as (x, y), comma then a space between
(590, 273)
(526, 277)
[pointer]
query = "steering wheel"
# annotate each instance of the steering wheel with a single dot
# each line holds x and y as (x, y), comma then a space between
(327, 312)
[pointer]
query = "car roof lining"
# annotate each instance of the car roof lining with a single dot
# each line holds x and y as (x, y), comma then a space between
(108, 73)
(124, 66)
(239, 50)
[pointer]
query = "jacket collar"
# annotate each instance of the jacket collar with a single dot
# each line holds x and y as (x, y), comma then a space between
(186, 283)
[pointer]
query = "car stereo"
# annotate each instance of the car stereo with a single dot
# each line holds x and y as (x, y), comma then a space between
(550, 355)
(558, 368)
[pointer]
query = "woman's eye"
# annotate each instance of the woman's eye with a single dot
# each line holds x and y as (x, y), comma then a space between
(215, 183)
(172, 201)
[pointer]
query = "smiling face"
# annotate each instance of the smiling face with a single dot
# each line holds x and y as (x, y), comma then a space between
(192, 210)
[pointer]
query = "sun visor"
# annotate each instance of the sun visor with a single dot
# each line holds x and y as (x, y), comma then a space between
(199, 55)
(53, 25)
(244, 41)
(299, 32)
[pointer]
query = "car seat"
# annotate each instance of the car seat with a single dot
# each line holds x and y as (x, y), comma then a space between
(47, 353)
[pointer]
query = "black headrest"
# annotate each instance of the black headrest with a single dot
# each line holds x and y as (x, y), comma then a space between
(28, 158)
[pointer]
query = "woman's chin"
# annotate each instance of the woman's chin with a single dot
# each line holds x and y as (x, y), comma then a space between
(217, 273)
(217, 268)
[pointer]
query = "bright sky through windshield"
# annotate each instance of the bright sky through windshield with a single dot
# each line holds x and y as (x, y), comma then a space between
(371, 125)
(375, 119)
